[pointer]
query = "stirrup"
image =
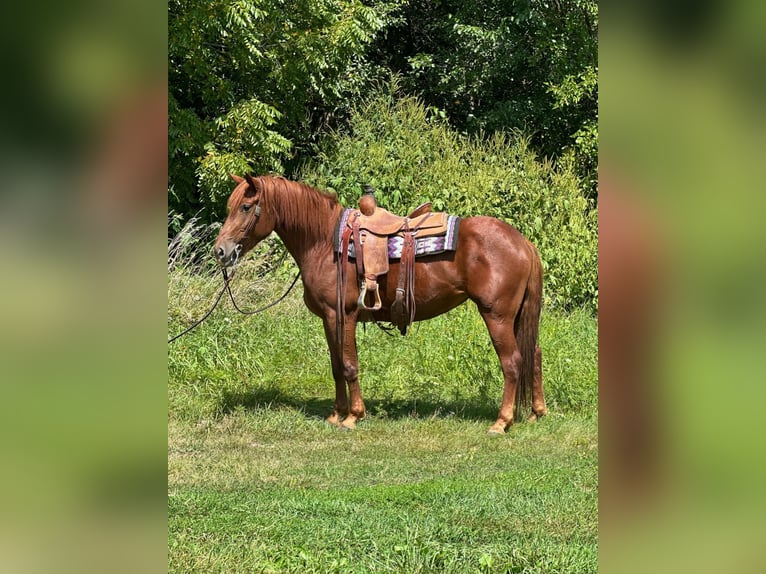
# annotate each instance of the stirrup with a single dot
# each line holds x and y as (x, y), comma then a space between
(369, 287)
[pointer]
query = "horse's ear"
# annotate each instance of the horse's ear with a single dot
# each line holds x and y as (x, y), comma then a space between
(236, 178)
(251, 181)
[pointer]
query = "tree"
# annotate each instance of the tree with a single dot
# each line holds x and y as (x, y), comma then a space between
(254, 83)
(505, 65)
(252, 80)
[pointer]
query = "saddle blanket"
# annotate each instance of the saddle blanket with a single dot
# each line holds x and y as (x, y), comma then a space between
(423, 246)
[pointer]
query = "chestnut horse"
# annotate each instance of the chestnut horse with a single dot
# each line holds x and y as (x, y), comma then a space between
(493, 265)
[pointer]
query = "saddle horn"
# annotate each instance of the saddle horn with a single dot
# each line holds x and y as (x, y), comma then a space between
(368, 203)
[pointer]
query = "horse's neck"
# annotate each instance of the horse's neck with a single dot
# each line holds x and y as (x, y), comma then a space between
(309, 237)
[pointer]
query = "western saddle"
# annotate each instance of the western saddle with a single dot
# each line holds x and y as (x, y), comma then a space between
(370, 228)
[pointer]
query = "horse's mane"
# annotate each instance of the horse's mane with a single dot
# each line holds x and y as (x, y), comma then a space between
(299, 207)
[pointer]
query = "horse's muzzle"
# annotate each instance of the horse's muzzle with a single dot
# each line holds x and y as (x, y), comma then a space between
(227, 255)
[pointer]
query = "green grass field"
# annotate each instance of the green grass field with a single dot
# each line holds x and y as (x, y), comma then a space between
(258, 482)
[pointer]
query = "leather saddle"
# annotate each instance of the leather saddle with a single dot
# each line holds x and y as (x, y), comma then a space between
(371, 227)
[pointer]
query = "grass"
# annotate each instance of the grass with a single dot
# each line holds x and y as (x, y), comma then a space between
(259, 483)
(280, 492)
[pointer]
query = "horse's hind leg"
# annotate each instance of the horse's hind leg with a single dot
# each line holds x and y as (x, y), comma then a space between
(538, 399)
(503, 339)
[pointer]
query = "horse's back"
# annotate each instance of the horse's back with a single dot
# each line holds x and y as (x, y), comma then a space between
(495, 259)
(492, 244)
(492, 261)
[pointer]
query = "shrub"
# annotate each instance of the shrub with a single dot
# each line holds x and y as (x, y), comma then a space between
(410, 154)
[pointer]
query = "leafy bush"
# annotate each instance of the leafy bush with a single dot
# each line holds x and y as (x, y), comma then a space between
(410, 155)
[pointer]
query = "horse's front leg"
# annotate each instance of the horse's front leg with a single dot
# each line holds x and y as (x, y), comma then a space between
(345, 371)
(340, 409)
(350, 368)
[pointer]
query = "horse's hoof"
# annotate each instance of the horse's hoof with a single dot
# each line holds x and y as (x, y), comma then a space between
(347, 425)
(536, 416)
(495, 431)
(333, 420)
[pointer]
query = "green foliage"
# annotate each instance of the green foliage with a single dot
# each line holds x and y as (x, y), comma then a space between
(411, 155)
(244, 142)
(253, 83)
(251, 80)
(500, 65)
(569, 94)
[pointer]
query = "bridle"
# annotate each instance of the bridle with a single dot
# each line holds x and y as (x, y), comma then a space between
(227, 279)
(253, 221)
(247, 227)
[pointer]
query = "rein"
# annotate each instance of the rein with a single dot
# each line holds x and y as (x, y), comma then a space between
(227, 288)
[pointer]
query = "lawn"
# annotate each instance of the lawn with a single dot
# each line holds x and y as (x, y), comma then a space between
(257, 482)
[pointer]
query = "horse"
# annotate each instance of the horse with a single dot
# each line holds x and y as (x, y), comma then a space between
(493, 265)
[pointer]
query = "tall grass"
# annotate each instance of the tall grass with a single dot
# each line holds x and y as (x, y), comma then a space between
(445, 364)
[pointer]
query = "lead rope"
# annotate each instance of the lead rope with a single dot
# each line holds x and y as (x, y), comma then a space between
(270, 305)
(206, 315)
(227, 288)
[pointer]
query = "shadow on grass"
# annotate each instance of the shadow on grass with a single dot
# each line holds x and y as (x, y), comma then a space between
(392, 409)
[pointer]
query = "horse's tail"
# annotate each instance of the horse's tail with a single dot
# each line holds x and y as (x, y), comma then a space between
(527, 329)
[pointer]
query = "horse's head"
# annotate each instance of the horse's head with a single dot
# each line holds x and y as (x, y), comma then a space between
(246, 223)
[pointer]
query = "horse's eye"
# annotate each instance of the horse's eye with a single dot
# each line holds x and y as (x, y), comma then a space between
(246, 208)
